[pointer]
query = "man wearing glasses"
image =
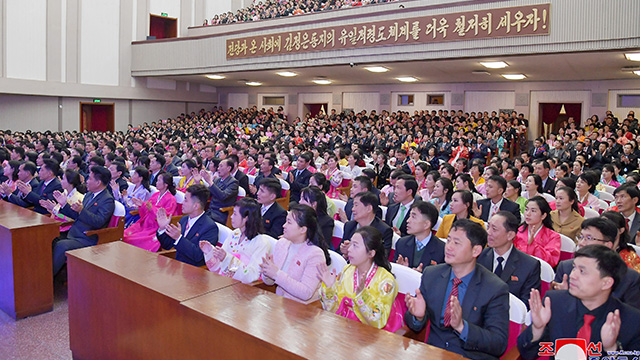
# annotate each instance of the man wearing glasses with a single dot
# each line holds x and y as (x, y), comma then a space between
(601, 231)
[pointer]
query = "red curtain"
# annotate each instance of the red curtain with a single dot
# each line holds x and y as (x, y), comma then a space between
(99, 118)
(156, 28)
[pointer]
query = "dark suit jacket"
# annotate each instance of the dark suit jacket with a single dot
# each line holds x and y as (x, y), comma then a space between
(96, 214)
(349, 206)
(564, 324)
(433, 253)
(188, 248)
(122, 184)
(521, 272)
(506, 205)
(485, 307)
(274, 219)
(628, 291)
(326, 224)
(243, 180)
(37, 193)
(224, 193)
(300, 182)
(635, 226)
(385, 230)
(172, 169)
(392, 211)
(550, 186)
(153, 178)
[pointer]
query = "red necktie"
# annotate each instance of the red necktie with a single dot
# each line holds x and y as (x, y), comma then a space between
(626, 220)
(447, 310)
(585, 330)
(186, 228)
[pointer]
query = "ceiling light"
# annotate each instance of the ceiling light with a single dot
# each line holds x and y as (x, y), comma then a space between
(376, 69)
(407, 79)
(253, 83)
(637, 72)
(513, 76)
(494, 64)
(287, 74)
(322, 81)
(632, 56)
(215, 77)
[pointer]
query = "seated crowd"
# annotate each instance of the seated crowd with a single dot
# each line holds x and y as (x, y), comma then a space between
(247, 195)
(271, 9)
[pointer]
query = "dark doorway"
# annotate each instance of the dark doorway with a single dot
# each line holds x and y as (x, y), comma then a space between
(163, 27)
(96, 117)
(551, 120)
(314, 109)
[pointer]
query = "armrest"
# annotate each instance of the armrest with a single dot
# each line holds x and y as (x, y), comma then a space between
(110, 234)
(134, 212)
(67, 223)
(168, 253)
(229, 210)
(511, 354)
(418, 336)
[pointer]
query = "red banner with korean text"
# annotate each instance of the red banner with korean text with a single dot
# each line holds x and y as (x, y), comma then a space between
(470, 25)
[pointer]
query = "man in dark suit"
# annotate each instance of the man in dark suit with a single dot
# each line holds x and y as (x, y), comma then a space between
(364, 215)
(243, 179)
(519, 270)
(466, 304)
(93, 213)
(360, 184)
(588, 310)
(193, 228)
(601, 231)
(539, 151)
(398, 213)
(224, 191)
(627, 198)
(495, 187)
(273, 214)
(117, 169)
(299, 177)
(420, 248)
(28, 196)
(542, 168)
(480, 150)
(156, 163)
(169, 166)
(266, 171)
(628, 158)
(26, 176)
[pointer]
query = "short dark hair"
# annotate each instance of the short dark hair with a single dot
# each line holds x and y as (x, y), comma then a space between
(630, 188)
(52, 165)
(476, 234)
(367, 198)
(607, 227)
(200, 193)
(159, 158)
(609, 263)
(427, 209)
(30, 167)
(97, 160)
(364, 181)
(410, 183)
(499, 180)
(102, 173)
(511, 222)
(272, 185)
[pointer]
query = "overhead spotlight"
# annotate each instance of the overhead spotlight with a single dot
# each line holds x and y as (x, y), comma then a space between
(401, 6)
(287, 74)
(494, 64)
(514, 76)
(322, 81)
(637, 72)
(376, 69)
(215, 77)
(253, 83)
(407, 79)
(632, 56)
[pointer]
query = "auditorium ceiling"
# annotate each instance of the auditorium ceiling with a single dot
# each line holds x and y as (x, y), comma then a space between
(547, 67)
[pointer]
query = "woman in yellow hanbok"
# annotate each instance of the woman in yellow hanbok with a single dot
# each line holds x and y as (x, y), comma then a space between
(366, 289)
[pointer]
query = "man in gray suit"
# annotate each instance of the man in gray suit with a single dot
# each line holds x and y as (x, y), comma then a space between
(627, 197)
(223, 189)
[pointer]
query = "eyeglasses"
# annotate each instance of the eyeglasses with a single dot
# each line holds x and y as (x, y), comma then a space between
(589, 238)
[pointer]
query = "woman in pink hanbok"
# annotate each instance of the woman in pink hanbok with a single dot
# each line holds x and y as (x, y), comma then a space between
(142, 233)
(334, 175)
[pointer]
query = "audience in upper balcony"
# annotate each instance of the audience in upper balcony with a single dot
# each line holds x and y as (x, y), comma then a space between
(272, 9)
